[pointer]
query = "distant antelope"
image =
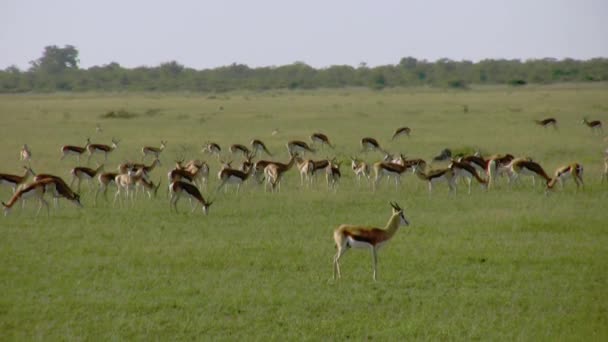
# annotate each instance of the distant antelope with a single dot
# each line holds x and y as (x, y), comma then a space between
(25, 154)
(401, 131)
(595, 125)
(15, 181)
(356, 236)
(320, 138)
(298, 146)
(305, 167)
(238, 148)
(371, 144)
(258, 145)
(360, 168)
(525, 167)
(388, 169)
(468, 172)
(153, 151)
(179, 189)
(212, 148)
(548, 122)
(34, 190)
(67, 150)
(435, 176)
(81, 173)
(102, 149)
(274, 172)
(574, 171)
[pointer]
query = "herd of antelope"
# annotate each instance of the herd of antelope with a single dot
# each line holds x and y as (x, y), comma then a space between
(189, 179)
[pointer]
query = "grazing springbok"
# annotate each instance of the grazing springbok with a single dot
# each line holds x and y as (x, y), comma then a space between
(179, 189)
(436, 176)
(320, 138)
(25, 154)
(67, 150)
(467, 172)
(574, 171)
(595, 125)
(15, 181)
(526, 167)
(548, 122)
(401, 131)
(371, 144)
(35, 190)
(238, 148)
(298, 146)
(59, 188)
(212, 148)
(102, 149)
(153, 151)
(257, 145)
(354, 236)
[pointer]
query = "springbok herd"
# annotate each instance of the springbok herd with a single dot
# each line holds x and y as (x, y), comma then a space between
(190, 178)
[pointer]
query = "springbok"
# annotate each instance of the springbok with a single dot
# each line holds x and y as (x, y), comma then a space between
(355, 236)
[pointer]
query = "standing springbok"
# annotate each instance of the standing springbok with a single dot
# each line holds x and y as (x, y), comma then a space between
(179, 189)
(25, 154)
(360, 168)
(102, 149)
(234, 176)
(498, 165)
(355, 236)
(67, 150)
(153, 151)
(332, 174)
(274, 173)
(15, 181)
(81, 173)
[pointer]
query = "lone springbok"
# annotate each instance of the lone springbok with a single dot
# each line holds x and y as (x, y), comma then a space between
(347, 236)
(595, 125)
(102, 149)
(548, 122)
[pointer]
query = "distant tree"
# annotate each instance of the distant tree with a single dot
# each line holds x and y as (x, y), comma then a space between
(56, 60)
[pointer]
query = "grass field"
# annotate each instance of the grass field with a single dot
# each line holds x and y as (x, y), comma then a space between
(508, 264)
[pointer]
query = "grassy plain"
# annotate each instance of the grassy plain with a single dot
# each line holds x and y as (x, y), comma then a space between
(510, 264)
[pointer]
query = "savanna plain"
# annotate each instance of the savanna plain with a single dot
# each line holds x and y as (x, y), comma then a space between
(507, 264)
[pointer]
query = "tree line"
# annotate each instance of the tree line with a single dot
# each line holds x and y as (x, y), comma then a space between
(58, 70)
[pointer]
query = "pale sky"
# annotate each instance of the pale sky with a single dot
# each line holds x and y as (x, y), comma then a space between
(207, 34)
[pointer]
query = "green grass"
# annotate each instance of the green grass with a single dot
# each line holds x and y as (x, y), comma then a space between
(510, 264)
